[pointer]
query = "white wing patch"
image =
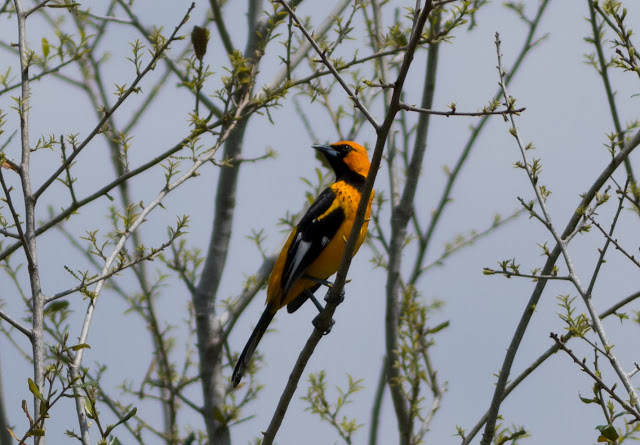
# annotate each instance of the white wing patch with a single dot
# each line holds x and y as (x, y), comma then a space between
(302, 247)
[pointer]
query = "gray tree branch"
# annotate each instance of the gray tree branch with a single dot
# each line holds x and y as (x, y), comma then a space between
(505, 370)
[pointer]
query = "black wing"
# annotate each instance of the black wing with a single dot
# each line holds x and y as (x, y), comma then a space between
(316, 229)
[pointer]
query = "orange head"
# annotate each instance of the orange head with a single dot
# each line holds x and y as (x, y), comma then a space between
(348, 159)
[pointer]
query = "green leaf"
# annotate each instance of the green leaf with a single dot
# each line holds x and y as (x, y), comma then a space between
(80, 346)
(127, 416)
(45, 47)
(36, 432)
(34, 390)
(438, 328)
(44, 407)
(88, 408)
(56, 306)
(608, 432)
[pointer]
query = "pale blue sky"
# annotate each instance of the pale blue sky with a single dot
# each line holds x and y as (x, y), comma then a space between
(567, 118)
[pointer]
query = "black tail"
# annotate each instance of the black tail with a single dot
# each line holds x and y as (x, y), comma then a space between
(252, 344)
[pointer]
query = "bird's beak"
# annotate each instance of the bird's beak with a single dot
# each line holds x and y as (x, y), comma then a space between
(327, 150)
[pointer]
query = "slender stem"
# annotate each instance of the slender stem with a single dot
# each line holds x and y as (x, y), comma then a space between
(377, 404)
(305, 47)
(6, 317)
(206, 100)
(221, 27)
(16, 220)
(40, 75)
(37, 298)
(445, 199)
(502, 113)
(109, 274)
(323, 320)
(104, 191)
(329, 65)
(543, 358)
(535, 297)
(608, 240)
(604, 73)
(109, 112)
(601, 384)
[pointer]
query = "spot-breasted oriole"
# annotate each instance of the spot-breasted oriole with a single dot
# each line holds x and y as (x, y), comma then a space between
(314, 250)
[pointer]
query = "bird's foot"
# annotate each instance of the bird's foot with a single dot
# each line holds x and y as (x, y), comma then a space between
(317, 323)
(339, 299)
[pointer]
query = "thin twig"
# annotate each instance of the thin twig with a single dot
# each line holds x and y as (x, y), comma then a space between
(40, 75)
(597, 379)
(469, 241)
(155, 252)
(6, 317)
(502, 113)
(323, 320)
(109, 112)
(513, 384)
(204, 99)
(445, 199)
(604, 74)
(16, 220)
(560, 248)
(106, 18)
(331, 68)
(614, 241)
(535, 277)
(104, 191)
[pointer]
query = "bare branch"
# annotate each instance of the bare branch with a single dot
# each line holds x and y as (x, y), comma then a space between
(543, 358)
(445, 199)
(157, 54)
(454, 112)
(16, 221)
(628, 408)
(152, 254)
(549, 265)
(353, 96)
(323, 320)
(6, 317)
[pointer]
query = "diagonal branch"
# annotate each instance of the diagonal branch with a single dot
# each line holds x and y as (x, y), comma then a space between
(323, 320)
(372, 120)
(541, 284)
(445, 199)
(454, 112)
(108, 113)
(6, 317)
(513, 384)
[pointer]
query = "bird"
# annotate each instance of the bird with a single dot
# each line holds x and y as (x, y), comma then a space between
(314, 249)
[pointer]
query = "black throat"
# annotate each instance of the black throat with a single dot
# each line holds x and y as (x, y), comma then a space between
(352, 178)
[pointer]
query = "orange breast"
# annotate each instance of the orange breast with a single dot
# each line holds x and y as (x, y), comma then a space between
(328, 262)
